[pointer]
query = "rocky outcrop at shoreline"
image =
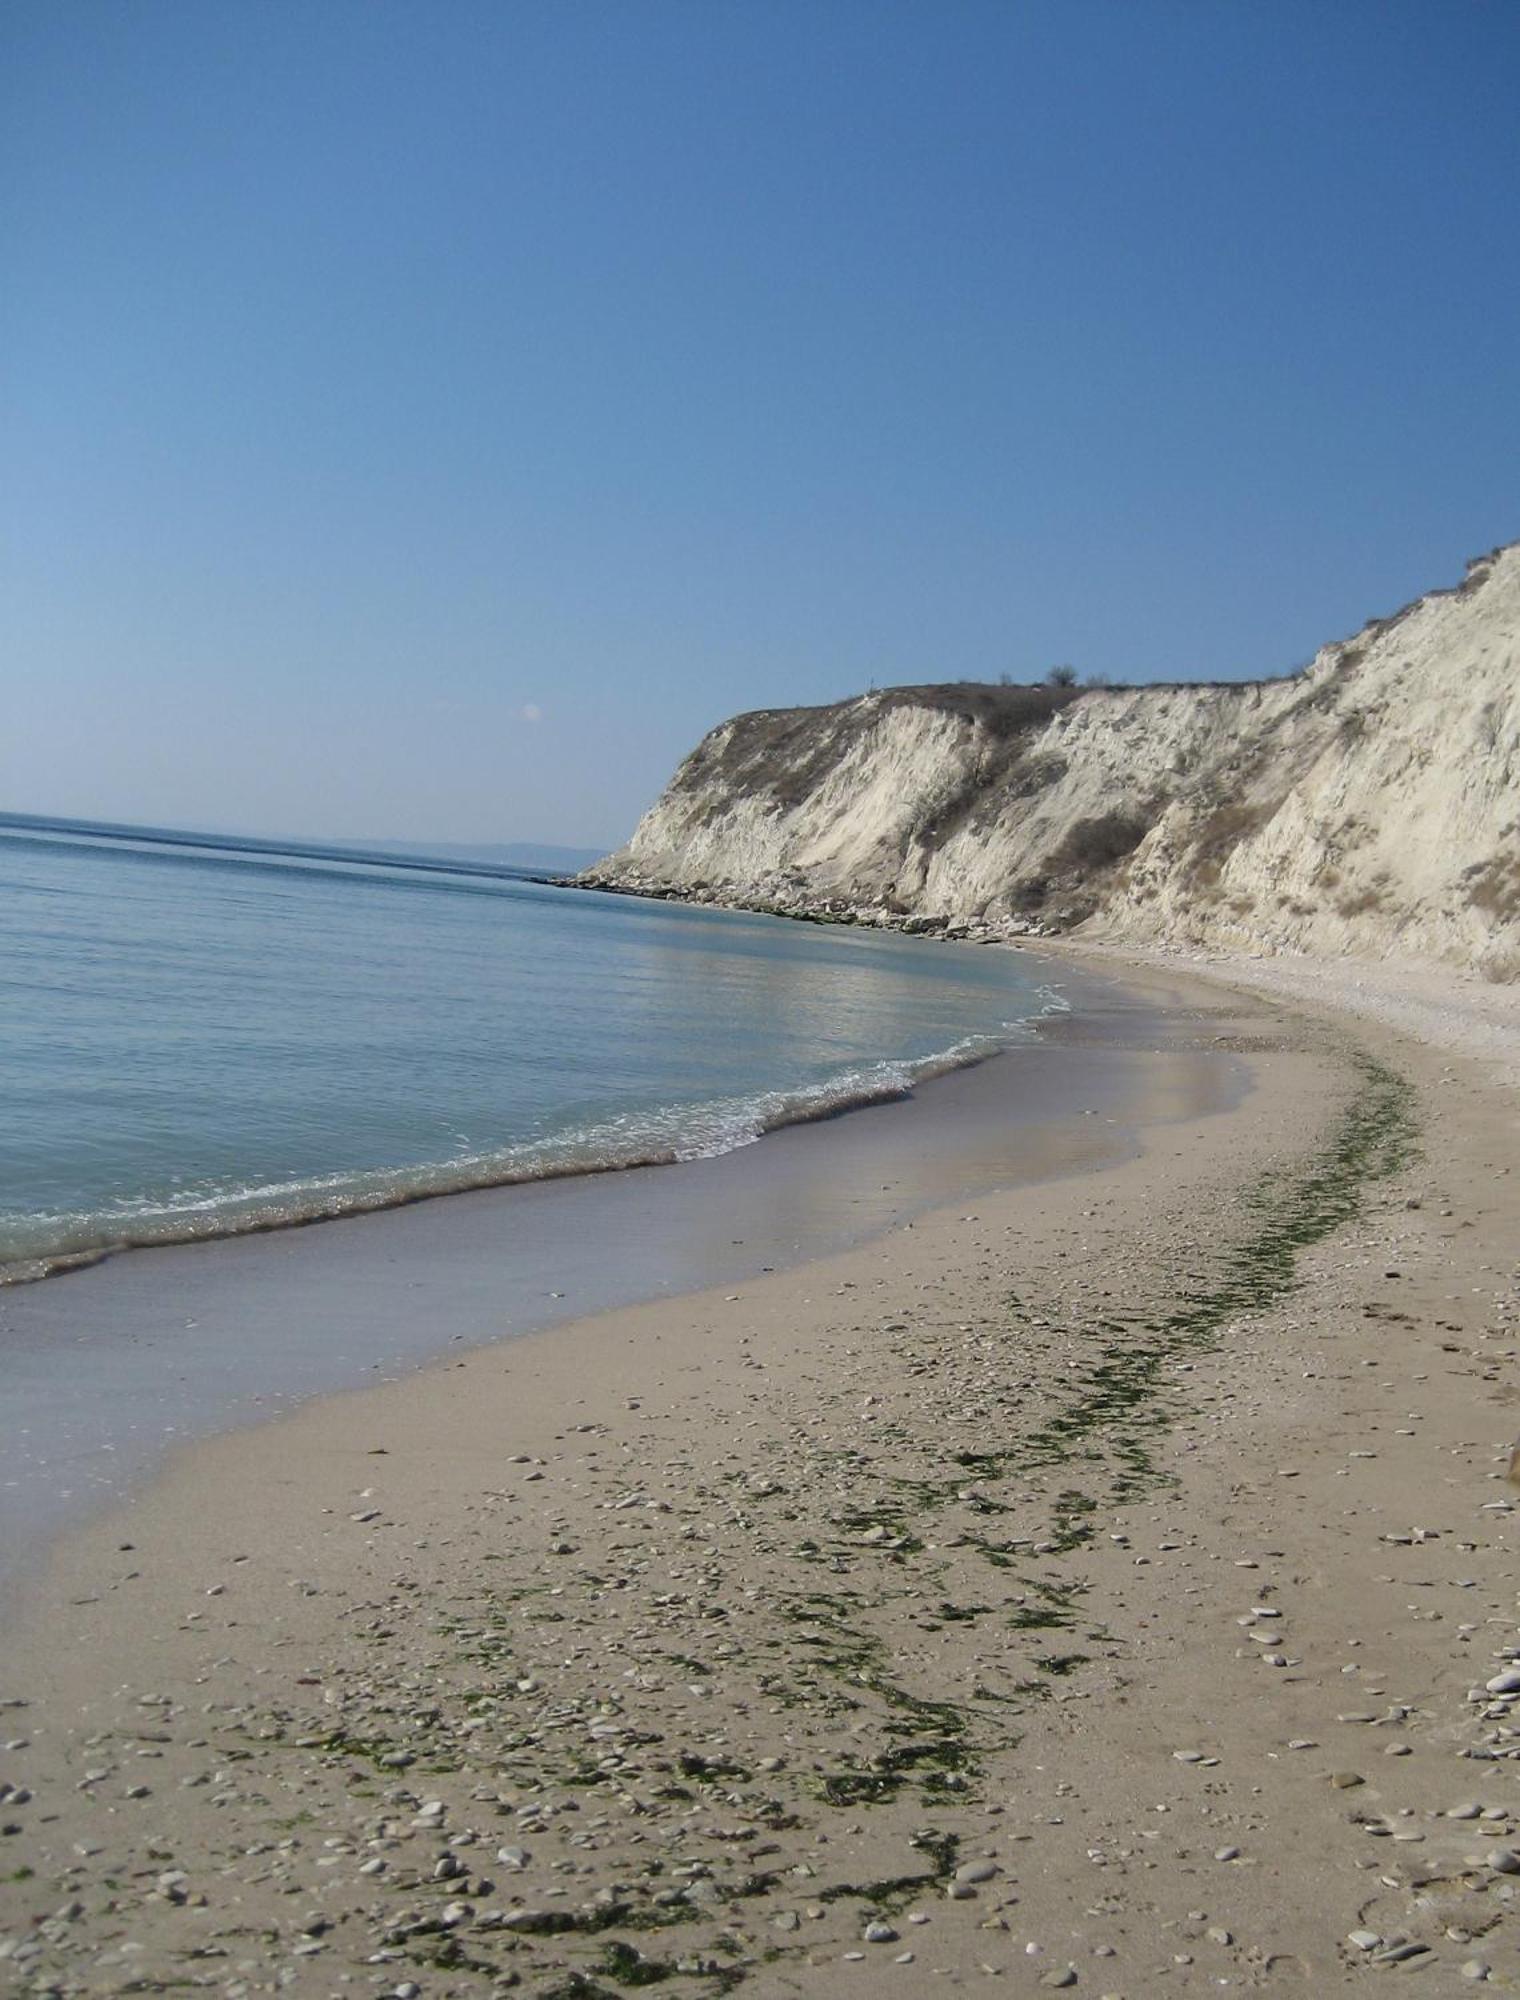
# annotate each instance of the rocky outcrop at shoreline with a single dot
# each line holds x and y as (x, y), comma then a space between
(775, 897)
(1368, 804)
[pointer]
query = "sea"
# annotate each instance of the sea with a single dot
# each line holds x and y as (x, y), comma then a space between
(202, 1036)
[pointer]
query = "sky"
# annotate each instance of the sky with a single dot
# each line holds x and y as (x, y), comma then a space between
(426, 421)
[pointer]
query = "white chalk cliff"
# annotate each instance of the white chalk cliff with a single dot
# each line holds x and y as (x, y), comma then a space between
(1368, 804)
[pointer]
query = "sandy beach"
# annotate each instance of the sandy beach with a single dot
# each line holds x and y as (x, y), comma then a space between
(1108, 1586)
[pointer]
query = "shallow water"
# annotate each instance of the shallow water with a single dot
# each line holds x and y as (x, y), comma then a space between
(199, 1042)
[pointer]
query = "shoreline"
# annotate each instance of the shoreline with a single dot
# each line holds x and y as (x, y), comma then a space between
(111, 1365)
(206, 1190)
(888, 1080)
(721, 1639)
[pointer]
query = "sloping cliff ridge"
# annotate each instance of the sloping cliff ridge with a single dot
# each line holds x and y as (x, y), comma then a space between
(1368, 804)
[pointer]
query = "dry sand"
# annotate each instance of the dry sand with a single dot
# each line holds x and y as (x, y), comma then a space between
(1088, 1589)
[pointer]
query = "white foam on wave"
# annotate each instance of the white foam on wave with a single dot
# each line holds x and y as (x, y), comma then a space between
(42, 1245)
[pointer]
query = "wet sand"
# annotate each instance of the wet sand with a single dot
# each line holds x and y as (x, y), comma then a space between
(1084, 1586)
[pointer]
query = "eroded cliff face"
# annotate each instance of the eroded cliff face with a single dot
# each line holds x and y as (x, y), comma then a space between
(1368, 804)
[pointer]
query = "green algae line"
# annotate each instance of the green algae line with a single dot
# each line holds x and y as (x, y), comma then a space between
(1290, 1209)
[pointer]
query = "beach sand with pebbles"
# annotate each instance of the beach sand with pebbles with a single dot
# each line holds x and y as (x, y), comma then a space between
(1109, 1585)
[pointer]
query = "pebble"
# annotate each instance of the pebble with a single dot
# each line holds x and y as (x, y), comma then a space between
(880, 1933)
(1504, 1861)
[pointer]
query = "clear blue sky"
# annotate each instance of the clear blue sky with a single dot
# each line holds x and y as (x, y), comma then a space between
(428, 419)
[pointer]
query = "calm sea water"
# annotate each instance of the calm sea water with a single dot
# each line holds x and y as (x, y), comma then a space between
(196, 1042)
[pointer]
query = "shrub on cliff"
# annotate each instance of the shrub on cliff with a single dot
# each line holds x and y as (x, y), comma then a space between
(1100, 842)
